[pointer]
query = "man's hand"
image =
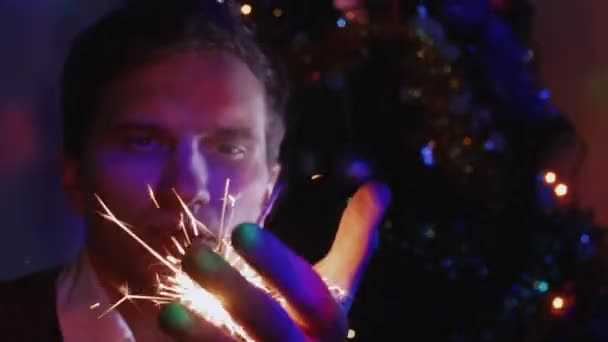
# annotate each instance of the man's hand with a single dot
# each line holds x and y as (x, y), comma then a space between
(312, 314)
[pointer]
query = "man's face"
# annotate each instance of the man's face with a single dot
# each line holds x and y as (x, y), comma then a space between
(182, 125)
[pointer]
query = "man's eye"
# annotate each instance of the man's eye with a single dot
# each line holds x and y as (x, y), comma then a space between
(144, 143)
(233, 151)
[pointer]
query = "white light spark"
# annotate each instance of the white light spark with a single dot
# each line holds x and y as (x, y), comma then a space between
(152, 197)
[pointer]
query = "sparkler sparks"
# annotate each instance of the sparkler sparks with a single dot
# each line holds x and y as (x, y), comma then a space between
(178, 286)
(222, 217)
(152, 197)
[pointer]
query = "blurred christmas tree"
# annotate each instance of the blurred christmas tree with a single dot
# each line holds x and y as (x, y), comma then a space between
(484, 241)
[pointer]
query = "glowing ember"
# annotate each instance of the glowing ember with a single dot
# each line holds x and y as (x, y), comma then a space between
(152, 197)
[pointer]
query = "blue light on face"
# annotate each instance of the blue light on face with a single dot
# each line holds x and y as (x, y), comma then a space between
(427, 155)
(341, 22)
(585, 239)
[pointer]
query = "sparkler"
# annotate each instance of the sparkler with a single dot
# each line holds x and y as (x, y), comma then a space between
(178, 286)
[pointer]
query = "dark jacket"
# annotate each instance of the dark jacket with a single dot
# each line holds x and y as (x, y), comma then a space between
(28, 309)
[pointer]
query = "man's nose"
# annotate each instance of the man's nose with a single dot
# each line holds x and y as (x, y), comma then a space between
(186, 176)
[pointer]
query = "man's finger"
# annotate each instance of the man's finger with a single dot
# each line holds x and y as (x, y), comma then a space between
(356, 238)
(309, 300)
(260, 315)
(182, 325)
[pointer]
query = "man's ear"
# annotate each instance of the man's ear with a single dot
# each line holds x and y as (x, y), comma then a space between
(275, 172)
(271, 193)
(70, 182)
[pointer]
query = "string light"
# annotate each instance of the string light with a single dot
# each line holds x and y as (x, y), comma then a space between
(541, 286)
(422, 11)
(427, 154)
(544, 94)
(431, 154)
(550, 177)
(558, 303)
(561, 190)
(277, 12)
(529, 56)
(351, 334)
(246, 9)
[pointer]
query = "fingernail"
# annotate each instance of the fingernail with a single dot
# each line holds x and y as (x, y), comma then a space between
(207, 260)
(175, 316)
(381, 192)
(246, 236)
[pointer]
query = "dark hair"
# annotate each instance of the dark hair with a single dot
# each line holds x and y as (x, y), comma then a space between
(143, 31)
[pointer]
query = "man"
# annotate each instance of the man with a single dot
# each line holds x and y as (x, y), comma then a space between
(176, 97)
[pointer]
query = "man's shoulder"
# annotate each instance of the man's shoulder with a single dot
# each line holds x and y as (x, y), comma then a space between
(27, 305)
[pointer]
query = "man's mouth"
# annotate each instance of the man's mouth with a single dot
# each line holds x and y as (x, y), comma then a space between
(168, 231)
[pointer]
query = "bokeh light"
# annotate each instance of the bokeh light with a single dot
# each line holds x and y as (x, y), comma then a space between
(246, 9)
(550, 177)
(561, 190)
(558, 303)
(351, 334)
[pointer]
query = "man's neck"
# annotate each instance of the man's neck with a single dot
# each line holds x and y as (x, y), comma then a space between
(141, 317)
